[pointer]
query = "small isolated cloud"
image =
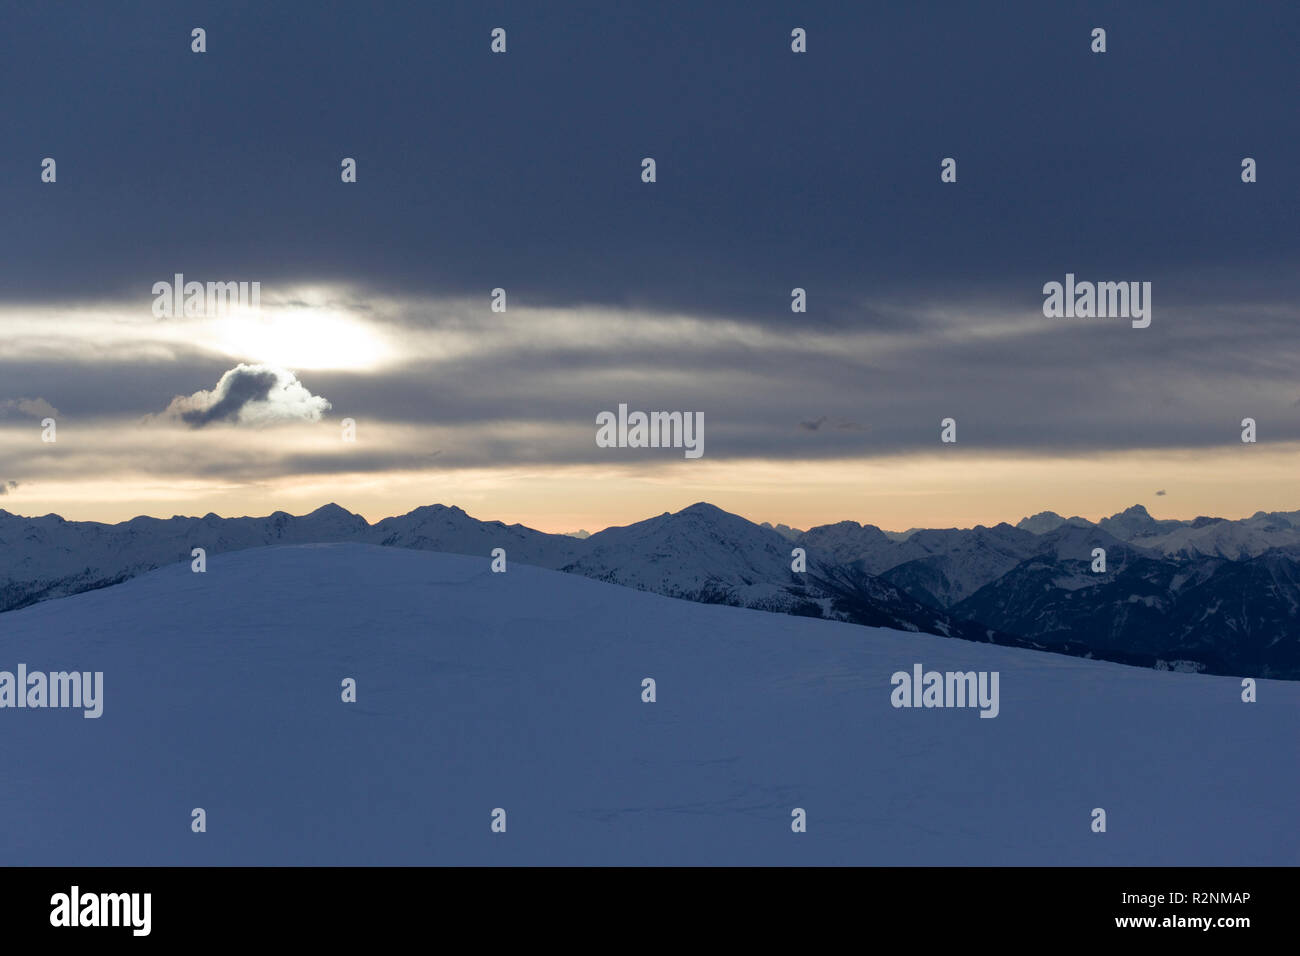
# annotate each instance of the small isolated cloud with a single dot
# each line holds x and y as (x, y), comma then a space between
(250, 395)
(841, 425)
(35, 407)
(7, 486)
(1160, 493)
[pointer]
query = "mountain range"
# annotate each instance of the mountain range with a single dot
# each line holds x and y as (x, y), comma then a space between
(1210, 594)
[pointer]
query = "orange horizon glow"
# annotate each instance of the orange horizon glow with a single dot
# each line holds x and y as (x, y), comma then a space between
(895, 493)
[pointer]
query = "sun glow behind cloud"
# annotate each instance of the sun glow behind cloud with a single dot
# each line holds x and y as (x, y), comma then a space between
(299, 329)
(323, 327)
(300, 338)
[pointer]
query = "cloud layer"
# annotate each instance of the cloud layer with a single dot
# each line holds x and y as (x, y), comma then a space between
(30, 407)
(923, 298)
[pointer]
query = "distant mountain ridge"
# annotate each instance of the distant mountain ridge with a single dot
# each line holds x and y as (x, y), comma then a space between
(1218, 537)
(1207, 594)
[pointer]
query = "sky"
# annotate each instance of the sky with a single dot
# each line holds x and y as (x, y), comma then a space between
(775, 170)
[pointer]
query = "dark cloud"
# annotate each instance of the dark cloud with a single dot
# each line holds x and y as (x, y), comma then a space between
(233, 392)
(817, 424)
(255, 394)
(776, 170)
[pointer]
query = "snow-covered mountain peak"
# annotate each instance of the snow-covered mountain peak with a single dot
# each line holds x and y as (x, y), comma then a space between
(1041, 523)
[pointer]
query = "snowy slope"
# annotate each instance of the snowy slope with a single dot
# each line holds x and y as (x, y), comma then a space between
(522, 691)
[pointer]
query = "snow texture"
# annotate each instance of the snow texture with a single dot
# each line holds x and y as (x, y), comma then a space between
(522, 691)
